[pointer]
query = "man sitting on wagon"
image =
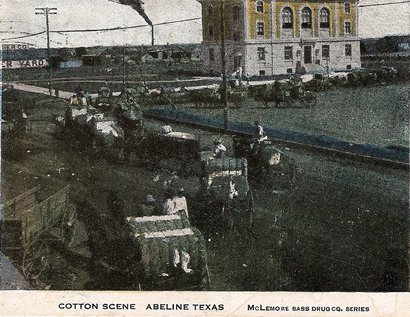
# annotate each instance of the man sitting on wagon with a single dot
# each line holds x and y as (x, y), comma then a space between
(166, 128)
(74, 100)
(148, 208)
(259, 133)
(219, 149)
(169, 204)
(180, 204)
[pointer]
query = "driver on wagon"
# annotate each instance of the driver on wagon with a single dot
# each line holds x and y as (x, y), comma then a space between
(259, 133)
(219, 149)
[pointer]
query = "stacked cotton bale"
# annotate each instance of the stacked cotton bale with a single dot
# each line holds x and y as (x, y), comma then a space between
(106, 131)
(141, 225)
(79, 115)
(226, 165)
(165, 242)
(219, 173)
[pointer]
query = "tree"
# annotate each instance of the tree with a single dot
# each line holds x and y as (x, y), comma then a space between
(80, 51)
(64, 53)
(385, 45)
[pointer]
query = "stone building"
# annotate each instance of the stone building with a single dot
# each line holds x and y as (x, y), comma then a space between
(273, 37)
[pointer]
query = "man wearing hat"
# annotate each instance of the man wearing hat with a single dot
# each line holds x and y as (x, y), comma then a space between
(169, 204)
(180, 204)
(219, 149)
(259, 133)
(148, 208)
(166, 128)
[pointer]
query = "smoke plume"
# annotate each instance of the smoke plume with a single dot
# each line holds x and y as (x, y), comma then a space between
(137, 5)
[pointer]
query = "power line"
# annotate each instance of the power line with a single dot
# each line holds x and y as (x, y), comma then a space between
(20, 22)
(100, 30)
(46, 11)
(15, 32)
(123, 27)
(178, 21)
(23, 36)
(383, 4)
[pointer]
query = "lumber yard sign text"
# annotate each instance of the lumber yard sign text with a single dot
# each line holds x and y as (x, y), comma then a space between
(13, 47)
(28, 63)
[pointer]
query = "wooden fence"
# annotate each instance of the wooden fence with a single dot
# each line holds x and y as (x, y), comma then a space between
(45, 214)
(14, 208)
(23, 217)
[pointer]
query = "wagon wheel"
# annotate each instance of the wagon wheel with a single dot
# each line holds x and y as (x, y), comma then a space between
(226, 214)
(206, 279)
(250, 208)
(66, 225)
(36, 260)
(314, 101)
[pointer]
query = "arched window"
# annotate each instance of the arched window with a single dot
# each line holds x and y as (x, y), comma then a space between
(306, 18)
(259, 6)
(210, 9)
(211, 31)
(287, 18)
(324, 18)
(347, 7)
(235, 13)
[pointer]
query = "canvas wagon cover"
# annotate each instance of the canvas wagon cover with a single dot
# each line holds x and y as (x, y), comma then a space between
(220, 186)
(226, 166)
(141, 225)
(179, 135)
(162, 241)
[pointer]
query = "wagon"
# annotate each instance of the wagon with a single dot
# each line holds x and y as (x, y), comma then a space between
(267, 164)
(173, 254)
(74, 125)
(176, 150)
(179, 145)
(129, 116)
(106, 134)
(225, 198)
(93, 129)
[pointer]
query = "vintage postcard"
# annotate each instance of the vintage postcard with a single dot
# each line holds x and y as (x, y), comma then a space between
(205, 157)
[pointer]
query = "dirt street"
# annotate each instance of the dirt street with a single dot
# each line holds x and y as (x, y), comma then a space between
(299, 238)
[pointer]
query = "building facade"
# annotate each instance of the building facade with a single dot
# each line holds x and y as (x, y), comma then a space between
(273, 37)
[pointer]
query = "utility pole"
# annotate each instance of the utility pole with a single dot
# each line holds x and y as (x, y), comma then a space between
(224, 97)
(152, 35)
(123, 69)
(46, 11)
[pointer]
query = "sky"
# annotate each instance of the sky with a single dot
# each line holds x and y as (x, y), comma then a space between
(376, 21)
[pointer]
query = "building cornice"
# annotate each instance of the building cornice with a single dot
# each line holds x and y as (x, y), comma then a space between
(303, 41)
(280, 41)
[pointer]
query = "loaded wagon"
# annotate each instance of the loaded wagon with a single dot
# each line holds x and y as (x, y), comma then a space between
(73, 126)
(92, 128)
(267, 164)
(145, 253)
(179, 150)
(107, 136)
(225, 198)
(178, 145)
(173, 254)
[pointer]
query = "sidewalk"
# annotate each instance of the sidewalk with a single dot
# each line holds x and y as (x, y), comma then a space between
(67, 95)
(369, 152)
(364, 152)
(41, 90)
(10, 277)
